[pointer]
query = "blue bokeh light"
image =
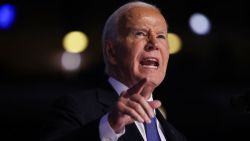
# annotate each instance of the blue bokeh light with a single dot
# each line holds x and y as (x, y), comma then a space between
(7, 15)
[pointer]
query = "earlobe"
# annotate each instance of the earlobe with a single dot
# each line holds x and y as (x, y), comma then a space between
(110, 52)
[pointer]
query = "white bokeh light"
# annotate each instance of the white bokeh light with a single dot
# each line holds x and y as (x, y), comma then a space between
(71, 61)
(199, 24)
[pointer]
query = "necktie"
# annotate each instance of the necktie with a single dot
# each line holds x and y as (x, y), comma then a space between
(151, 131)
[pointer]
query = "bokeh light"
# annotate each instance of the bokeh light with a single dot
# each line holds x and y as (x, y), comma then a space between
(175, 43)
(71, 61)
(7, 15)
(199, 24)
(75, 42)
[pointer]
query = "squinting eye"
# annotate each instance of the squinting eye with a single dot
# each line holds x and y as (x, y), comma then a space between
(162, 36)
(140, 34)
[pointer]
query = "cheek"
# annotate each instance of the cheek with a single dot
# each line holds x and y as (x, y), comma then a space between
(166, 57)
(134, 53)
(128, 59)
(166, 54)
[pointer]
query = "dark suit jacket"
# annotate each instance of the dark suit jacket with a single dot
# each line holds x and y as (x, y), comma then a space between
(76, 117)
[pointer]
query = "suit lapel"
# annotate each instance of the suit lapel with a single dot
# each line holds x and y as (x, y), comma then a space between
(107, 96)
(169, 131)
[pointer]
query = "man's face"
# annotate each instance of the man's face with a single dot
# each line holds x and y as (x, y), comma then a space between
(142, 49)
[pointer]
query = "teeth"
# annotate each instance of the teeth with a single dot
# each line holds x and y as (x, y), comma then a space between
(151, 59)
(151, 63)
(150, 66)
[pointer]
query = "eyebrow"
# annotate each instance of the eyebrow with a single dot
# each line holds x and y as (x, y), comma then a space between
(146, 30)
(138, 29)
(162, 32)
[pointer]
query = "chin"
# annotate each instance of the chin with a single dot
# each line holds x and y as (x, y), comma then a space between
(156, 82)
(154, 78)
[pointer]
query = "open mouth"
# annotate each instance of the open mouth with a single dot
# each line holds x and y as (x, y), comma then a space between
(150, 62)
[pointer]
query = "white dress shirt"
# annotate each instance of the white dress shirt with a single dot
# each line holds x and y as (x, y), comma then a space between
(105, 130)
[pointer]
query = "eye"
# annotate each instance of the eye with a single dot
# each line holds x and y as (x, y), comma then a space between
(140, 33)
(162, 36)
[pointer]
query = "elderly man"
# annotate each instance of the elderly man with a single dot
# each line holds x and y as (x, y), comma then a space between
(136, 53)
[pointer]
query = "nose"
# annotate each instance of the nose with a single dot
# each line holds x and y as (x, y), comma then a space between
(151, 44)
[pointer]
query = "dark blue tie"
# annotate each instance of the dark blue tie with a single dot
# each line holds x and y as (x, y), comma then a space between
(151, 131)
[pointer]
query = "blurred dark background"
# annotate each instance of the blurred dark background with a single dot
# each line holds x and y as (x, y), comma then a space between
(206, 91)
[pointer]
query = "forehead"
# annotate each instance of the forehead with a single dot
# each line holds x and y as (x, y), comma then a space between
(142, 16)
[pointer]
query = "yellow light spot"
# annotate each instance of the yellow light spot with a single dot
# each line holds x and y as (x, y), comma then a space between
(75, 42)
(174, 43)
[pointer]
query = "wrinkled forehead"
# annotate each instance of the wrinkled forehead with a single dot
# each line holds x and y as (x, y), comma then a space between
(133, 16)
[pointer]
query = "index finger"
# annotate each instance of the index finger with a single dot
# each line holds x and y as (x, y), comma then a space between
(137, 88)
(148, 89)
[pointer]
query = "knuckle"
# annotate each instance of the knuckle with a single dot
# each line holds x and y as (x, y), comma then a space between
(137, 106)
(141, 99)
(120, 105)
(130, 111)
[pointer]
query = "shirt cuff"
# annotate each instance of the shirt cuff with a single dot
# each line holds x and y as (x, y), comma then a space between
(106, 132)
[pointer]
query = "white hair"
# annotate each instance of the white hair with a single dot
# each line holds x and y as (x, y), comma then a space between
(110, 31)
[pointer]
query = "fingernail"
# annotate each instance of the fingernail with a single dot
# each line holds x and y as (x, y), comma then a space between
(152, 115)
(148, 121)
(141, 120)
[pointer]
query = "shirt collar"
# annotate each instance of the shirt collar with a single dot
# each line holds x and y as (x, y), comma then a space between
(120, 87)
(117, 85)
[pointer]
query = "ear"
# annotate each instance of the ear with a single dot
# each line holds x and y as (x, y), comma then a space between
(110, 52)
